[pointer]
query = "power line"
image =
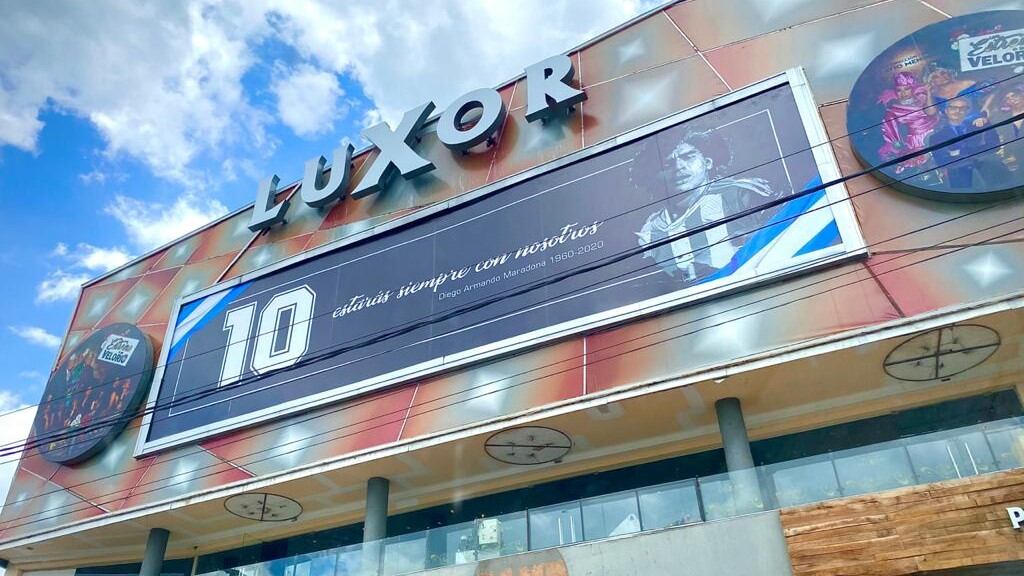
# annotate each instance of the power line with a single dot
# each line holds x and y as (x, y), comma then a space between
(99, 424)
(406, 409)
(336, 349)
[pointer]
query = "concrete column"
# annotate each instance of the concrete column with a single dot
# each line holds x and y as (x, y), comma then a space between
(375, 524)
(738, 460)
(735, 441)
(156, 546)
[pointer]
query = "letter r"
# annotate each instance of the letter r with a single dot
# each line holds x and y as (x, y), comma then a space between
(548, 90)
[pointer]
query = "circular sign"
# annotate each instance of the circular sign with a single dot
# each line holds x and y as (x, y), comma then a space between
(93, 394)
(263, 507)
(942, 353)
(951, 82)
(528, 445)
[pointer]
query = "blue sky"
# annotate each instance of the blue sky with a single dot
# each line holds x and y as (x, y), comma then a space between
(114, 143)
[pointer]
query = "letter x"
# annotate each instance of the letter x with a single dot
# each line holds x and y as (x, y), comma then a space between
(396, 154)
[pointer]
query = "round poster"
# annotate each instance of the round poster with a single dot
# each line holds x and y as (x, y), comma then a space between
(942, 110)
(93, 394)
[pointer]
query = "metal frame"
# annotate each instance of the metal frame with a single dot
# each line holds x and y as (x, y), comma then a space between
(853, 245)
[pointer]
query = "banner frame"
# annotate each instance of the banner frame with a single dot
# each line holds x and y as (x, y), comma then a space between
(853, 246)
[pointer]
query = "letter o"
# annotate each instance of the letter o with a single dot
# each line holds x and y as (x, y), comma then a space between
(449, 127)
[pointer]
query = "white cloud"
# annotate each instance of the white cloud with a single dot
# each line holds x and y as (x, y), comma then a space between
(60, 285)
(150, 224)
(34, 335)
(307, 100)
(10, 401)
(34, 376)
(101, 259)
(403, 53)
(15, 423)
(167, 87)
(371, 117)
(92, 258)
(100, 177)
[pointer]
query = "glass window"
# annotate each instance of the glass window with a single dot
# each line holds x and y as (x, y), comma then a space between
(456, 544)
(975, 454)
(805, 480)
(668, 505)
(282, 567)
(611, 515)
(556, 525)
(874, 470)
(513, 534)
(933, 461)
(717, 494)
(476, 540)
(1008, 447)
(406, 553)
(349, 560)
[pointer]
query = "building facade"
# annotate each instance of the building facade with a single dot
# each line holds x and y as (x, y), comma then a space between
(734, 288)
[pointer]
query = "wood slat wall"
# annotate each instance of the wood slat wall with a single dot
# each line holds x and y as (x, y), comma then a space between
(908, 531)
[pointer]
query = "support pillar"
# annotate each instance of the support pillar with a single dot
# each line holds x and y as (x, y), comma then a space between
(375, 524)
(156, 546)
(738, 459)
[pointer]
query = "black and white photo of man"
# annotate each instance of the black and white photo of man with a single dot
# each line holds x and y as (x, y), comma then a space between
(702, 191)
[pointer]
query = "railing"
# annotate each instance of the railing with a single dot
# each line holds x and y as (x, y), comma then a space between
(946, 455)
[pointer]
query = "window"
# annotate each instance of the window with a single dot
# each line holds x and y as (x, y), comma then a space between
(556, 525)
(667, 505)
(611, 515)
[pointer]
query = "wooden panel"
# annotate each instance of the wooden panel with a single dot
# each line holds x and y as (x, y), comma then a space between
(937, 526)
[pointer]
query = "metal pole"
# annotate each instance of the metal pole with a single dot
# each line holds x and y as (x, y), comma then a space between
(156, 546)
(738, 459)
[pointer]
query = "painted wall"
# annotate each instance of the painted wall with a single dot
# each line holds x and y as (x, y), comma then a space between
(677, 57)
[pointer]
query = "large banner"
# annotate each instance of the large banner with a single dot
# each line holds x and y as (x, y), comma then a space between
(600, 237)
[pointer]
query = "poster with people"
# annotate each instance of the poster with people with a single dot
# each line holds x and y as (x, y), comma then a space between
(941, 112)
(93, 394)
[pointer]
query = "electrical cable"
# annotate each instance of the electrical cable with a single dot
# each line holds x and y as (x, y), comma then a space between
(522, 290)
(405, 410)
(987, 86)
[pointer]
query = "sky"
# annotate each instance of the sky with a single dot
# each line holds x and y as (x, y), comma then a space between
(124, 125)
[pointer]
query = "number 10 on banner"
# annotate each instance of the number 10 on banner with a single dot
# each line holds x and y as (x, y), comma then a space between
(281, 339)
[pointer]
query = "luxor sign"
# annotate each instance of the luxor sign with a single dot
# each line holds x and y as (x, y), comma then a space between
(549, 92)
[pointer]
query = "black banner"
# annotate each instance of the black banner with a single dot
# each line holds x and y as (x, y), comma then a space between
(311, 332)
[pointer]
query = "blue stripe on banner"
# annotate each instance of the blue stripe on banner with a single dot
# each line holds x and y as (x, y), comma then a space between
(187, 309)
(778, 224)
(231, 297)
(828, 236)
